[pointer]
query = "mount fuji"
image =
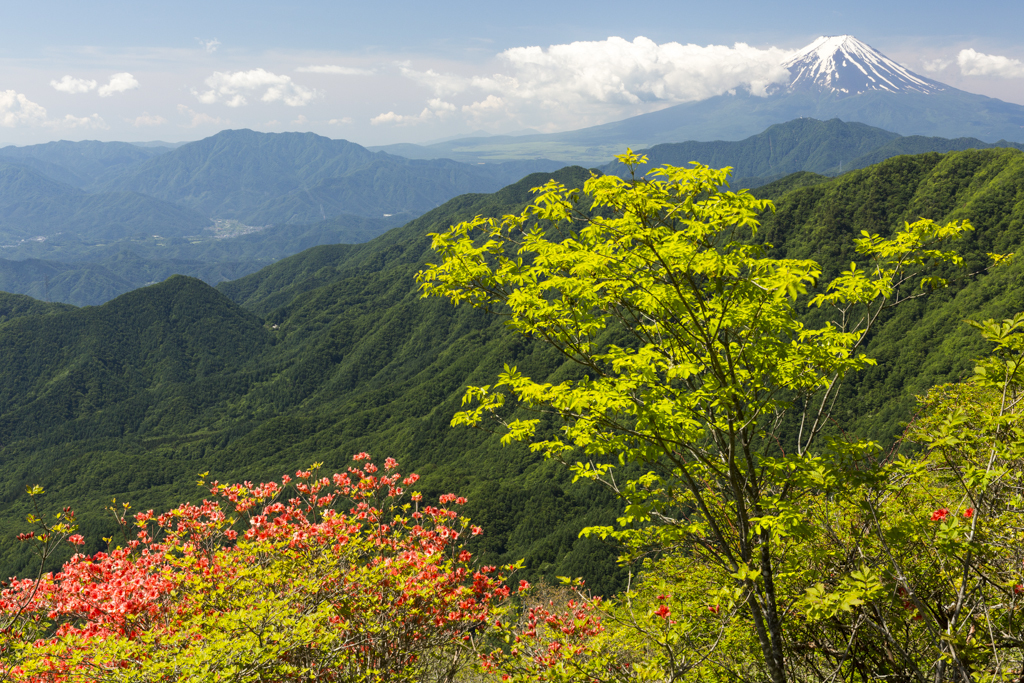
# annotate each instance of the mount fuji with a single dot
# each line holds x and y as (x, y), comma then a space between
(844, 66)
(833, 77)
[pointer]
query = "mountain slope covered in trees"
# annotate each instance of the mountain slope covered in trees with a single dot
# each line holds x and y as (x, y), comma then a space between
(332, 351)
(806, 144)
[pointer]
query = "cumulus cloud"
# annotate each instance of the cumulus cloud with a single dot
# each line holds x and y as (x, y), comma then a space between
(484, 107)
(341, 121)
(435, 109)
(72, 85)
(228, 87)
(974, 63)
(199, 118)
(147, 120)
(70, 121)
(209, 45)
(18, 110)
(334, 69)
(607, 77)
(441, 84)
(936, 65)
(118, 83)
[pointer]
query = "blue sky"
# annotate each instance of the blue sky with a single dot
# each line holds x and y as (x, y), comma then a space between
(381, 72)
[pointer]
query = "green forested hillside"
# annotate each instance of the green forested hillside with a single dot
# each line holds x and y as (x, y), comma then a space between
(332, 351)
(825, 147)
(16, 305)
(356, 362)
(926, 341)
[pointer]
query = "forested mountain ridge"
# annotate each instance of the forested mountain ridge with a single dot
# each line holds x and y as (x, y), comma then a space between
(332, 351)
(806, 144)
(60, 242)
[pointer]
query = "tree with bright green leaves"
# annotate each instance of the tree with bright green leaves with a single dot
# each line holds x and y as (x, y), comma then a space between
(697, 378)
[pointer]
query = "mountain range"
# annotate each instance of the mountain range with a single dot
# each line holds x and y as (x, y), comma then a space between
(197, 210)
(82, 222)
(332, 351)
(85, 221)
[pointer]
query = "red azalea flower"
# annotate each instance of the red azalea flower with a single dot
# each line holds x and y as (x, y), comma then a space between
(940, 515)
(968, 513)
(662, 611)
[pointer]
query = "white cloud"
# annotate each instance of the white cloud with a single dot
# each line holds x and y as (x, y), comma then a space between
(980, 64)
(199, 118)
(300, 120)
(392, 117)
(336, 122)
(335, 69)
(441, 84)
(488, 106)
(615, 70)
(584, 82)
(227, 87)
(147, 120)
(70, 121)
(118, 83)
(936, 65)
(17, 110)
(435, 109)
(73, 85)
(209, 45)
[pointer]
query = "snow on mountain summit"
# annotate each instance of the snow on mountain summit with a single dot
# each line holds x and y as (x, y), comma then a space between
(845, 65)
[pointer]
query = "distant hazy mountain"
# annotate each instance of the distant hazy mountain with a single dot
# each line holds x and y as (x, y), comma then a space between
(823, 147)
(88, 275)
(82, 222)
(82, 164)
(833, 77)
(34, 206)
(262, 178)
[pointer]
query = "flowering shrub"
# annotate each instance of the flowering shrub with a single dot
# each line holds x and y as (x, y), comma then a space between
(329, 578)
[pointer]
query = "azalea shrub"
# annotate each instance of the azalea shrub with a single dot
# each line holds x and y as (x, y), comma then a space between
(348, 577)
(671, 625)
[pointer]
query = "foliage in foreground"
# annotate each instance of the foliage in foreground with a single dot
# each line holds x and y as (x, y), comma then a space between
(767, 544)
(706, 404)
(342, 578)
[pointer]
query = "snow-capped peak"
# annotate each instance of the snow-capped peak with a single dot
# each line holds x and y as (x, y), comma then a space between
(845, 65)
